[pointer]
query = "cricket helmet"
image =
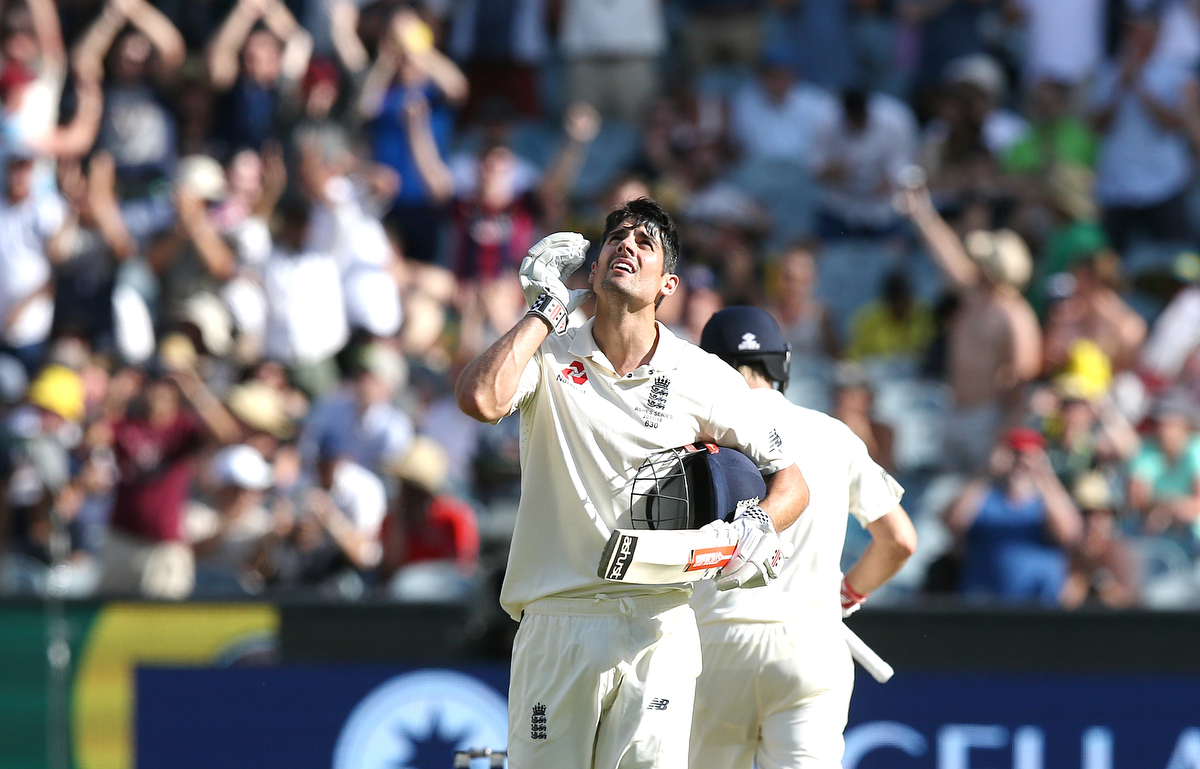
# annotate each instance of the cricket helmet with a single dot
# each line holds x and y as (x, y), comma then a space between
(739, 335)
(689, 486)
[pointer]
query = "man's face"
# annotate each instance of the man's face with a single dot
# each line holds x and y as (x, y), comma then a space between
(262, 58)
(630, 265)
(20, 178)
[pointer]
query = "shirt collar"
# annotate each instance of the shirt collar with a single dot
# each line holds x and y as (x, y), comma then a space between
(666, 354)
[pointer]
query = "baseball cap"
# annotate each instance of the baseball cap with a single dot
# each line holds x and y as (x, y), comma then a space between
(1024, 439)
(59, 390)
(242, 466)
(742, 334)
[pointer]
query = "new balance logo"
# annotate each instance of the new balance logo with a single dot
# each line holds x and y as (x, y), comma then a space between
(537, 722)
(657, 704)
(774, 440)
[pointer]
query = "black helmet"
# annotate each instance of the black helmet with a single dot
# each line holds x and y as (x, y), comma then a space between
(740, 335)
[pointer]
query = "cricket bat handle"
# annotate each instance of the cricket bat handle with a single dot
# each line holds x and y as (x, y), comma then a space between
(866, 656)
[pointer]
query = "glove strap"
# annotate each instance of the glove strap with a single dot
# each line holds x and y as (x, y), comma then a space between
(549, 308)
(756, 514)
(850, 596)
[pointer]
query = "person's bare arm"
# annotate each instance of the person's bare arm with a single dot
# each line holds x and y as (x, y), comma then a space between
(343, 30)
(1025, 337)
(1122, 438)
(274, 180)
(945, 247)
(362, 551)
(102, 195)
(961, 513)
(893, 541)
(48, 32)
(1064, 524)
(76, 138)
(212, 249)
(219, 422)
(430, 166)
(379, 78)
(98, 39)
(223, 51)
(160, 31)
(581, 124)
(787, 497)
(486, 387)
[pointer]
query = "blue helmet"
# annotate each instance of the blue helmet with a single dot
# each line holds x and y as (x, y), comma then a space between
(739, 335)
(689, 486)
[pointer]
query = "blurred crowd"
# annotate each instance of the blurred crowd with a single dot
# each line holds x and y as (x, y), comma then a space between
(246, 245)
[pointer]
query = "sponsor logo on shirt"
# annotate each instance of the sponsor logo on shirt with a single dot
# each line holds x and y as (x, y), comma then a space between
(573, 373)
(774, 440)
(658, 703)
(709, 557)
(749, 342)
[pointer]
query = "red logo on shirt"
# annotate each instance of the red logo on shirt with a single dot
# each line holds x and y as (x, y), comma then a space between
(575, 372)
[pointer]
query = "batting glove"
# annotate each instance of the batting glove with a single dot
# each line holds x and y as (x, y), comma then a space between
(541, 277)
(852, 600)
(759, 552)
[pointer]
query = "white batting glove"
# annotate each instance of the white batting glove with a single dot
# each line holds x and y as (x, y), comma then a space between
(759, 552)
(541, 276)
(852, 600)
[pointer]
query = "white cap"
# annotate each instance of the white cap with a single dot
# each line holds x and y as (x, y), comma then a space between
(241, 466)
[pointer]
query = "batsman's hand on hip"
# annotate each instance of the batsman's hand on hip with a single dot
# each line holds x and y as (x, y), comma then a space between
(759, 553)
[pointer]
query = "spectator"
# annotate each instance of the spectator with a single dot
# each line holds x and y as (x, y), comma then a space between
(981, 80)
(813, 36)
(425, 522)
(360, 416)
(227, 537)
(775, 118)
(306, 315)
(408, 68)
(35, 70)
(722, 32)
(854, 405)
(1164, 477)
(949, 30)
(1055, 136)
(30, 225)
(1096, 312)
(806, 322)
(896, 325)
(137, 130)
(1142, 107)
(859, 157)
(95, 241)
(1168, 356)
(1016, 527)
(156, 445)
(1087, 433)
(1069, 59)
(1103, 569)
(253, 65)
(994, 339)
(611, 52)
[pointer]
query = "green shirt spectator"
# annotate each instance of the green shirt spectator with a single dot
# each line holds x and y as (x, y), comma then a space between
(1066, 140)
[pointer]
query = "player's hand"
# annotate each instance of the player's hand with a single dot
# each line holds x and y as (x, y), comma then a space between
(852, 600)
(759, 552)
(551, 259)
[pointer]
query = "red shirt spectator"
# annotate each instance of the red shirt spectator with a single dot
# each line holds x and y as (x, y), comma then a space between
(156, 473)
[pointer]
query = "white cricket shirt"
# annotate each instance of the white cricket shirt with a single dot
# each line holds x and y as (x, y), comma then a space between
(842, 479)
(585, 430)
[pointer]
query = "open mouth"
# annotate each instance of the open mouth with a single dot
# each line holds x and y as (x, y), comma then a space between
(625, 266)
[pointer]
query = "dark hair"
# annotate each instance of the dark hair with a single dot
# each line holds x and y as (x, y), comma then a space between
(644, 212)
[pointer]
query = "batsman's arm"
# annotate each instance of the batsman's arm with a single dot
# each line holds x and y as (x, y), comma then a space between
(486, 387)
(893, 541)
(787, 496)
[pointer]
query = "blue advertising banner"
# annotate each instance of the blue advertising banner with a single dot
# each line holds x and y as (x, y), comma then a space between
(301, 716)
(1042, 721)
(349, 717)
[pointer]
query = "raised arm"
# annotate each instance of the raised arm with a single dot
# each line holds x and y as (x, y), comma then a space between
(379, 78)
(581, 124)
(76, 138)
(410, 33)
(102, 196)
(487, 386)
(430, 166)
(945, 247)
(343, 30)
(93, 46)
(212, 249)
(48, 32)
(1064, 524)
(160, 31)
(224, 49)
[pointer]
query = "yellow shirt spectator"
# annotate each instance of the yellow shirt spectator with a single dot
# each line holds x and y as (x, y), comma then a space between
(877, 331)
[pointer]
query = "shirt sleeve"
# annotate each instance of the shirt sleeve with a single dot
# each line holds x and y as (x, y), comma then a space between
(739, 420)
(873, 493)
(1144, 466)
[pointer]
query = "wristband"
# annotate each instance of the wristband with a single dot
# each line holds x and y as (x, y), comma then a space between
(850, 596)
(549, 308)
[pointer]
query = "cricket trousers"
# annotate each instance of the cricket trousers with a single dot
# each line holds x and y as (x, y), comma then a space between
(773, 693)
(603, 683)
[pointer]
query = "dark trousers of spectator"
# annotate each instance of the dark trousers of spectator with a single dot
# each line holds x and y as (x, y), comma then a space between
(1165, 221)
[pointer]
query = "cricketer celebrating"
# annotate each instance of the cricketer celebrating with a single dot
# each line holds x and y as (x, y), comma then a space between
(777, 675)
(603, 674)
